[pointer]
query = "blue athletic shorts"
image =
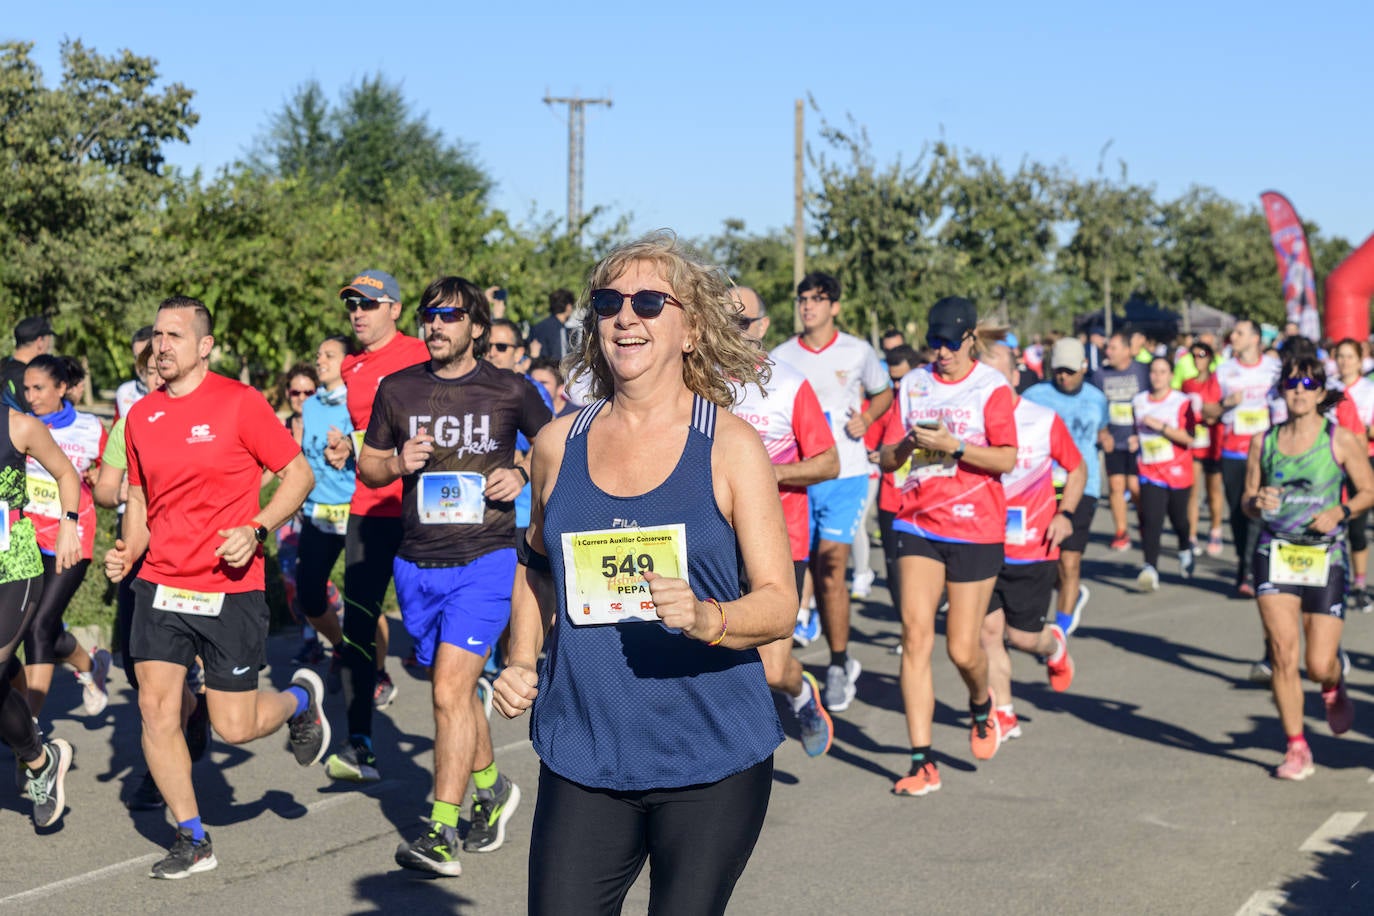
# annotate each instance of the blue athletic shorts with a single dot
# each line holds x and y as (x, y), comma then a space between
(464, 606)
(837, 508)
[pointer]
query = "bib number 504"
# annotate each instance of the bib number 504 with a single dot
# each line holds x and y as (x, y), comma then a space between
(629, 565)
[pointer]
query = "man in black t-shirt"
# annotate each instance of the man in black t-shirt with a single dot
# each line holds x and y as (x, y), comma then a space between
(32, 337)
(549, 338)
(446, 428)
(1120, 378)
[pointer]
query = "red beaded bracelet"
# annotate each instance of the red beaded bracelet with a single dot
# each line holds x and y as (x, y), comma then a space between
(724, 625)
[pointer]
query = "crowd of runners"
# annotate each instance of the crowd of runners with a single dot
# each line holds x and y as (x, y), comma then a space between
(579, 520)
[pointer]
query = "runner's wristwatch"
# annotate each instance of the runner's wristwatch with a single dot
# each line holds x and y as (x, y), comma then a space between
(260, 532)
(958, 453)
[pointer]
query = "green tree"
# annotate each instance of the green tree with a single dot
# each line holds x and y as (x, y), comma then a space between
(761, 261)
(369, 142)
(82, 181)
(1218, 253)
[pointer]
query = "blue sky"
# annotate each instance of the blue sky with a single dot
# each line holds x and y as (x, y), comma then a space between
(1241, 97)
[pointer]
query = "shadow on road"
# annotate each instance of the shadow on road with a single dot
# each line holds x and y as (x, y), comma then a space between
(1337, 883)
(407, 891)
(1178, 654)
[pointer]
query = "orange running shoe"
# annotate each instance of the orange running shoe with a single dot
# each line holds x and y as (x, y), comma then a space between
(1060, 672)
(920, 781)
(985, 736)
(1011, 726)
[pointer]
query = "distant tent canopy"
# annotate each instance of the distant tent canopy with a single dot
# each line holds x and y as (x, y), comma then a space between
(1158, 323)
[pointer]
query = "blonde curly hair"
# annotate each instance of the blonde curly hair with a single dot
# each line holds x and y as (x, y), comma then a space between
(720, 355)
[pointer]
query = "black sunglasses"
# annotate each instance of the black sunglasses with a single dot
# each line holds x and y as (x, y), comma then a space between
(448, 314)
(647, 303)
(1292, 382)
(744, 323)
(353, 303)
(936, 342)
(502, 347)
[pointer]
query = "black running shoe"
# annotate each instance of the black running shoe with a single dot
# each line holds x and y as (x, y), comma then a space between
(146, 797)
(45, 787)
(198, 729)
(435, 851)
(309, 729)
(186, 857)
(491, 809)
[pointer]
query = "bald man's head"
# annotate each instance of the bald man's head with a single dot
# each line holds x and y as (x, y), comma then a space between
(999, 357)
(753, 316)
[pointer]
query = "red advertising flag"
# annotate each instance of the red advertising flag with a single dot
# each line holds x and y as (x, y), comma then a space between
(1295, 264)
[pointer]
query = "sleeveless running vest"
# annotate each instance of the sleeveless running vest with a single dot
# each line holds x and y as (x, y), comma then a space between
(22, 560)
(1311, 482)
(633, 706)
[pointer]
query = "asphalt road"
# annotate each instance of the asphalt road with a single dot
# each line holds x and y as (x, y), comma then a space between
(1144, 789)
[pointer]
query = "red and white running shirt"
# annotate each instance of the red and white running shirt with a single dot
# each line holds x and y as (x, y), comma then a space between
(1042, 440)
(1253, 381)
(793, 427)
(945, 500)
(1206, 436)
(362, 373)
(1361, 395)
(83, 442)
(199, 459)
(841, 373)
(1160, 461)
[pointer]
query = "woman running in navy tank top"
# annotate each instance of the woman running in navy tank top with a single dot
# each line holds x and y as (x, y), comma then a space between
(652, 508)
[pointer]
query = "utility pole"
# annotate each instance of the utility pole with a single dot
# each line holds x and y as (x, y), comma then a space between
(577, 127)
(798, 209)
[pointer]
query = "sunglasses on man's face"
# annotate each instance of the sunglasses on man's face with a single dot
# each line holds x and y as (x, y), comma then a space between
(448, 314)
(744, 322)
(935, 343)
(1307, 382)
(353, 303)
(647, 303)
(503, 347)
(300, 392)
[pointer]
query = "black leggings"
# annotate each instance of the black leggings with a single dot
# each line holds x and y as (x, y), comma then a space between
(1244, 530)
(1357, 530)
(587, 846)
(124, 619)
(369, 550)
(47, 642)
(18, 603)
(885, 520)
(1155, 503)
(316, 553)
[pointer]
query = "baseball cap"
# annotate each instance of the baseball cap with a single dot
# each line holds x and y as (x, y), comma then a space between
(373, 284)
(1067, 354)
(951, 318)
(30, 329)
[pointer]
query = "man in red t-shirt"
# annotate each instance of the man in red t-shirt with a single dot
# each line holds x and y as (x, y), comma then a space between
(373, 535)
(196, 450)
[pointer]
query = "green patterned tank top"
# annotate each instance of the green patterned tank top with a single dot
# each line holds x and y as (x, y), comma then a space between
(22, 559)
(1310, 482)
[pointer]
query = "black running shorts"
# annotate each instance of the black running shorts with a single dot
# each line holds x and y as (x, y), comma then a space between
(232, 646)
(962, 562)
(1023, 592)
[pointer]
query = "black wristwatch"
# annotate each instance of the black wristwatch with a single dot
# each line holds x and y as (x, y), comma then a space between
(71, 516)
(522, 472)
(1067, 513)
(958, 453)
(260, 532)
(1345, 512)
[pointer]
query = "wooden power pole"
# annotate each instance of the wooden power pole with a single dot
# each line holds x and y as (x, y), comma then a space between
(798, 208)
(577, 128)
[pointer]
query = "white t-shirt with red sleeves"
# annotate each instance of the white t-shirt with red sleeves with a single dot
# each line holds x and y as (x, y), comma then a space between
(1160, 461)
(1361, 394)
(1042, 439)
(83, 442)
(841, 373)
(199, 459)
(1253, 382)
(947, 500)
(793, 427)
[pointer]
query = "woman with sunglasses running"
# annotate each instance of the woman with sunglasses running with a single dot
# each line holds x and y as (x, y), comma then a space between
(1294, 478)
(651, 507)
(956, 438)
(1359, 395)
(1164, 433)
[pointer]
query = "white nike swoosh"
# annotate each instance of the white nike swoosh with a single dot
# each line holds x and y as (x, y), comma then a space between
(243, 670)
(474, 642)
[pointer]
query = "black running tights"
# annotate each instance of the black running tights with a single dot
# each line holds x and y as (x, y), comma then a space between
(587, 846)
(47, 641)
(1244, 530)
(18, 602)
(1155, 504)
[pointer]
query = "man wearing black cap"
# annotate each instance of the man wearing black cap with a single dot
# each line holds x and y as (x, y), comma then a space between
(32, 337)
(373, 300)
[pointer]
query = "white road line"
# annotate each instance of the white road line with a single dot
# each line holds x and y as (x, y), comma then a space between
(1371, 777)
(1263, 903)
(77, 880)
(1336, 827)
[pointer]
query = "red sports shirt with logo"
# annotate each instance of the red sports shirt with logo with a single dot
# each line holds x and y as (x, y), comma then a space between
(793, 427)
(362, 373)
(1042, 439)
(947, 500)
(1160, 461)
(199, 460)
